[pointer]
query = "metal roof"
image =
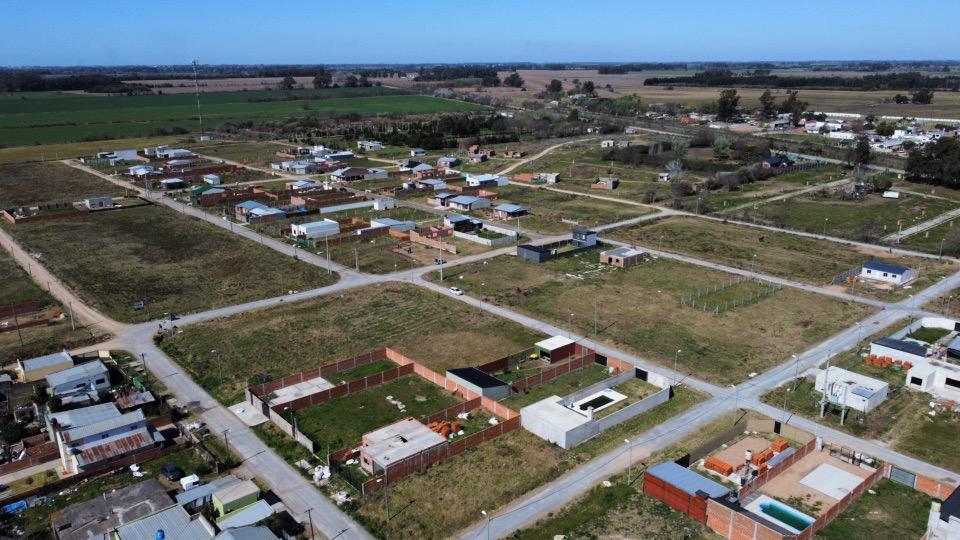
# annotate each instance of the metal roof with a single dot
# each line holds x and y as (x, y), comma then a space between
(114, 447)
(457, 218)
(247, 533)
(902, 346)
(75, 373)
(464, 199)
(511, 208)
(476, 377)
(115, 422)
(84, 416)
(175, 523)
(554, 343)
(248, 515)
(886, 267)
(623, 251)
(249, 205)
(687, 480)
(236, 490)
(266, 211)
(45, 361)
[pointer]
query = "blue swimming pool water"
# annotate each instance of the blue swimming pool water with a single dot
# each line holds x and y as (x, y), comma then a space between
(785, 514)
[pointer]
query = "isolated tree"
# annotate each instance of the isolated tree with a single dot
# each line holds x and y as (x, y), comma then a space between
(923, 96)
(675, 170)
(322, 79)
(768, 105)
(721, 147)
(513, 80)
(364, 81)
(287, 83)
(860, 152)
(792, 105)
(901, 99)
(727, 104)
(351, 81)
(555, 86)
(588, 87)
(885, 128)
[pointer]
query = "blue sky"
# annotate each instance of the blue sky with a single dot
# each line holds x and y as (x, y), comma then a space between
(106, 32)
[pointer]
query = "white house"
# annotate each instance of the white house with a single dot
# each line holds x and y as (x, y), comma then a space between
(416, 152)
(887, 273)
(82, 379)
(943, 522)
(849, 389)
(939, 378)
(608, 143)
(368, 146)
(140, 170)
(487, 180)
(93, 203)
(212, 179)
(315, 229)
(468, 202)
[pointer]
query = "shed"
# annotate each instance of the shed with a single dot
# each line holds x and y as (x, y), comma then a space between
(414, 152)
(479, 382)
(212, 179)
(584, 237)
(507, 210)
(623, 256)
(234, 496)
(555, 349)
(393, 224)
(536, 254)
(315, 229)
(35, 369)
(94, 203)
(468, 202)
(174, 183)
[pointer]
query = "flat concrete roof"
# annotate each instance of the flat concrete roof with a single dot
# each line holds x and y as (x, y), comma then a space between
(553, 411)
(554, 343)
(401, 439)
(95, 517)
(297, 391)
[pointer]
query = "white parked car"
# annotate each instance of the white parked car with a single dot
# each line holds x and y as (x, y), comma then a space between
(456, 291)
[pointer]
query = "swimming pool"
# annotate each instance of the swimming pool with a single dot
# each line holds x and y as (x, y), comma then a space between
(773, 510)
(598, 401)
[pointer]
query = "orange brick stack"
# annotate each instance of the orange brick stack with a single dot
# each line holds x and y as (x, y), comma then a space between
(761, 458)
(779, 445)
(716, 464)
(444, 428)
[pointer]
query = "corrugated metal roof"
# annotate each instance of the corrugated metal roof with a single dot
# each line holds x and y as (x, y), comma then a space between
(464, 199)
(249, 205)
(88, 430)
(248, 515)
(554, 343)
(511, 208)
(236, 490)
(885, 267)
(45, 361)
(81, 371)
(114, 447)
(687, 480)
(133, 400)
(85, 416)
(175, 523)
(247, 533)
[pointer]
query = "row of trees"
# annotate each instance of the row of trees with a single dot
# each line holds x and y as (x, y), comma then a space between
(936, 163)
(30, 81)
(887, 81)
(487, 75)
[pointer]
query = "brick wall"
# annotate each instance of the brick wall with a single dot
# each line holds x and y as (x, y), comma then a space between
(933, 488)
(451, 412)
(28, 324)
(322, 371)
(579, 362)
(41, 453)
(770, 474)
(735, 525)
(23, 308)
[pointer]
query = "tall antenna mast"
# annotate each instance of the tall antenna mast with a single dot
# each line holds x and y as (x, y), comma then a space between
(196, 85)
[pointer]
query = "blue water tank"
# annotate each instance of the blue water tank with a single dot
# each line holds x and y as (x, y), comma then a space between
(160, 534)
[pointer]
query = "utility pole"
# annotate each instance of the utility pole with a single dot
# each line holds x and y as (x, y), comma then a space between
(326, 248)
(16, 321)
(196, 84)
(629, 462)
(594, 316)
(73, 325)
(440, 235)
(356, 259)
(310, 519)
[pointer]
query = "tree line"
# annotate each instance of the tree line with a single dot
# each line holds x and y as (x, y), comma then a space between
(619, 69)
(487, 75)
(31, 81)
(886, 81)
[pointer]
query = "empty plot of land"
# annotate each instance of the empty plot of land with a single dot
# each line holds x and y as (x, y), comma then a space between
(639, 309)
(342, 421)
(552, 212)
(779, 254)
(866, 219)
(439, 332)
(561, 386)
(248, 153)
(171, 262)
(23, 184)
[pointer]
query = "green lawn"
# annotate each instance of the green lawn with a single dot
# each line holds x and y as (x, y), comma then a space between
(23, 184)
(53, 118)
(895, 511)
(561, 386)
(548, 209)
(172, 262)
(638, 309)
(440, 332)
(341, 422)
(775, 253)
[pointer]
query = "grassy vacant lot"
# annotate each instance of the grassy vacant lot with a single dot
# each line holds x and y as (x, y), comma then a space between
(937, 240)
(42, 118)
(437, 331)
(18, 154)
(896, 511)
(757, 192)
(639, 309)
(900, 422)
(779, 254)
(248, 153)
(16, 286)
(868, 219)
(561, 386)
(341, 422)
(172, 262)
(27, 183)
(548, 208)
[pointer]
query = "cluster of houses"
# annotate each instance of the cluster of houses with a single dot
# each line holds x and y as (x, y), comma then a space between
(906, 134)
(318, 159)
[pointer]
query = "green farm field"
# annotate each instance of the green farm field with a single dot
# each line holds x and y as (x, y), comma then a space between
(44, 118)
(172, 262)
(639, 310)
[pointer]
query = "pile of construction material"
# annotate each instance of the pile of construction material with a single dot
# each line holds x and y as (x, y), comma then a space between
(446, 429)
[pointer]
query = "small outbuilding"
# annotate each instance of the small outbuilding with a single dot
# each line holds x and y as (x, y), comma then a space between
(849, 389)
(396, 442)
(96, 203)
(682, 489)
(555, 349)
(887, 273)
(35, 369)
(623, 256)
(506, 210)
(583, 237)
(315, 229)
(212, 179)
(479, 382)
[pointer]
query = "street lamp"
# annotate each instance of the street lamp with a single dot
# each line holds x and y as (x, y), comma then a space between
(486, 515)
(825, 220)
(629, 462)
(676, 359)
(571, 325)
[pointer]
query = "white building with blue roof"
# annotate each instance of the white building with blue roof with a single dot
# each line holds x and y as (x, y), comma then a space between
(887, 273)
